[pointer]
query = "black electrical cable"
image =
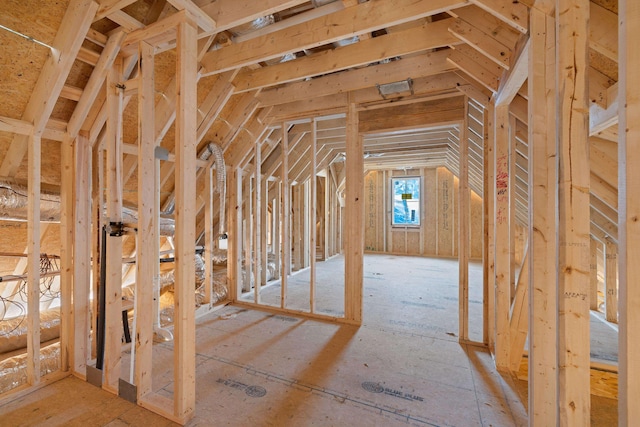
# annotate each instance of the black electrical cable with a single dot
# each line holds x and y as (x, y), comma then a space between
(101, 301)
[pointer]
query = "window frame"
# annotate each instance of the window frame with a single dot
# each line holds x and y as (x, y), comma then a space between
(418, 219)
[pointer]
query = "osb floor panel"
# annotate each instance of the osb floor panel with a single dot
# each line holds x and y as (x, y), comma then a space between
(403, 366)
(73, 402)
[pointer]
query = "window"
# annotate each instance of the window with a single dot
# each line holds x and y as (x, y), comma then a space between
(406, 201)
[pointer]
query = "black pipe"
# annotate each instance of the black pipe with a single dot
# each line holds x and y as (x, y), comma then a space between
(102, 294)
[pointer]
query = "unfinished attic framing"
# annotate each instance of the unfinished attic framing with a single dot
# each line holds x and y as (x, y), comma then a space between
(162, 158)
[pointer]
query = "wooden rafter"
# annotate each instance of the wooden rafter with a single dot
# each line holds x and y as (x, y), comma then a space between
(66, 44)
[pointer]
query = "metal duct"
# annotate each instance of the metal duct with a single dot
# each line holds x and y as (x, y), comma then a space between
(221, 179)
(14, 205)
(221, 189)
(254, 25)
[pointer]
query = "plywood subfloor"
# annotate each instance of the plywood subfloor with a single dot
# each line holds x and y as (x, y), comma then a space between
(73, 402)
(403, 366)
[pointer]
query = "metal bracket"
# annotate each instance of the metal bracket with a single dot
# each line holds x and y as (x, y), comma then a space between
(115, 229)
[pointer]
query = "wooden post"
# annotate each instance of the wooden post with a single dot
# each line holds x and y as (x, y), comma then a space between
(33, 260)
(66, 253)
(247, 229)
(186, 126)
(611, 281)
(628, 213)
(147, 249)
(257, 220)
(234, 209)
(312, 219)
(502, 250)
(264, 226)
(305, 222)
(113, 279)
(489, 229)
(286, 218)
(593, 268)
(543, 316)
(275, 227)
(572, 19)
(296, 227)
(81, 255)
(354, 218)
(464, 203)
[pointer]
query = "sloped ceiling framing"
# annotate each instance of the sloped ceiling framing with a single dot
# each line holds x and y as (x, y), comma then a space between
(269, 62)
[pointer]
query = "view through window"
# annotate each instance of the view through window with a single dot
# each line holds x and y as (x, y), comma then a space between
(406, 201)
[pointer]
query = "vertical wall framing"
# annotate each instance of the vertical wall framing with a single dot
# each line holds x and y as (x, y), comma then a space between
(572, 31)
(66, 255)
(147, 246)
(543, 321)
(629, 212)
(502, 233)
(113, 279)
(81, 255)
(353, 222)
(285, 216)
(185, 176)
(464, 204)
(312, 218)
(489, 229)
(33, 261)
(611, 281)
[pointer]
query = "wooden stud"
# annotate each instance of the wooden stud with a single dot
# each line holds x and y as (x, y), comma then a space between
(81, 255)
(285, 218)
(66, 254)
(543, 317)
(489, 229)
(572, 18)
(147, 246)
(593, 268)
(464, 203)
(297, 227)
(264, 222)
(313, 217)
(276, 228)
(306, 223)
(234, 249)
(354, 219)
(33, 261)
(611, 281)
(113, 279)
(256, 214)
(513, 183)
(628, 213)
(502, 227)
(184, 329)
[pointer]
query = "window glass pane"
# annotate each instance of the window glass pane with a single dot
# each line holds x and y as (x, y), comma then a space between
(406, 200)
